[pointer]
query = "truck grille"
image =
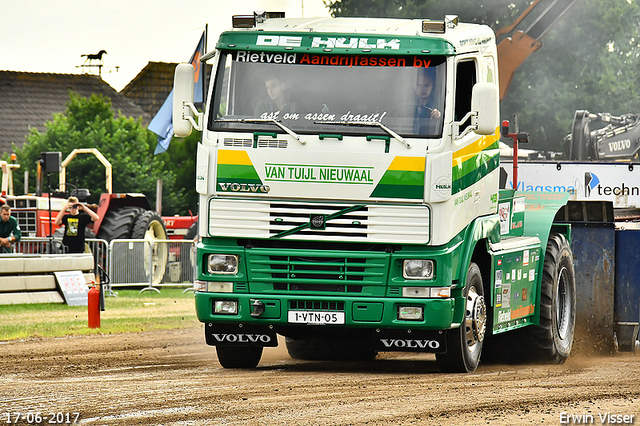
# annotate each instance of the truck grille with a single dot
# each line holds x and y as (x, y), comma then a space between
(315, 272)
(401, 224)
(262, 142)
(312, 305)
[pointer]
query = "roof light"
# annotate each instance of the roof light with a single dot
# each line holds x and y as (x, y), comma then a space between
(433, 27)
(439, 27)
(258, 17)
(243, 21)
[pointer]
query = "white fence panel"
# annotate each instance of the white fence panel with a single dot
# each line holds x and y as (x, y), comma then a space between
(130, 263)
(151, 263)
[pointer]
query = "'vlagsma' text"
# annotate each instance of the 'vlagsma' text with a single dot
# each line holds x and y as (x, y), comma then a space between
(319, 174)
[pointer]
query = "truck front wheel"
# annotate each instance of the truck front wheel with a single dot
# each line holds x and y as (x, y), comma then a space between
(239, 356)
(464, 344)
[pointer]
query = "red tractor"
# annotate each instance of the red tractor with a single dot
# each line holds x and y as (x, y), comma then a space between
(122, 215)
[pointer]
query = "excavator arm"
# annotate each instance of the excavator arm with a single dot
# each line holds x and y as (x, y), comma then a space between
(518, 45)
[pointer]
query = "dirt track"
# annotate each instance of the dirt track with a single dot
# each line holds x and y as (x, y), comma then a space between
(173, 378)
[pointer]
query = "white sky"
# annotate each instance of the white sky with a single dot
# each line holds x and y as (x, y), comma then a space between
(51, 35)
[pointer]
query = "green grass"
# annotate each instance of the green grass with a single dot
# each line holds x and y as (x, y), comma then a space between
(130, 311)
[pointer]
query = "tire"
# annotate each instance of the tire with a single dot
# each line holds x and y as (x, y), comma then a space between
(331, 349)
(149, 226)
(118, 223)
(464, 344)
(239, 356)
(551, 341)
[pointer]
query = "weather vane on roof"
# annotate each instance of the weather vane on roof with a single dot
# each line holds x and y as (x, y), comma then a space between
(94, 60)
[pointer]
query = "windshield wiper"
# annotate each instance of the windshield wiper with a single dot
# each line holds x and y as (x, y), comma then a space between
(263, 120)
(369, 124)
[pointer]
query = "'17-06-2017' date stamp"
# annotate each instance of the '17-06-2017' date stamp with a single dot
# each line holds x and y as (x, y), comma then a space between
(36, 418)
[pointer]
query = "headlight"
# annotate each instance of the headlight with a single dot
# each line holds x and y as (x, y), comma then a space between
(417, 269)
(223, 264)
(228, 307)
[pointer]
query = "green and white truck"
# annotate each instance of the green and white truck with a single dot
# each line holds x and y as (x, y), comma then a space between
(335, 214)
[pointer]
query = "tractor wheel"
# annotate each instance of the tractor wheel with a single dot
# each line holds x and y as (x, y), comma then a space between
(464, 344)
(118, 223)
(238, 356)
(149, 226)
(334, 349)
(188, 255)
(551, 341)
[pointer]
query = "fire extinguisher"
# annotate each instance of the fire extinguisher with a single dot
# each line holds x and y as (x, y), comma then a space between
(94, 307)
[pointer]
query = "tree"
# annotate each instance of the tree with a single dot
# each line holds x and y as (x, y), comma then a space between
(90, 123)
(590, 59)
(181, 159)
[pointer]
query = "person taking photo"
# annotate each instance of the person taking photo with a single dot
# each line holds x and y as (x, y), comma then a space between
(75, 222)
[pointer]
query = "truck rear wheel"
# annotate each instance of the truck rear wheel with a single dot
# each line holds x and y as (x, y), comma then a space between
(239, 356)
(551, 341)
(331, 349)
(464, 344)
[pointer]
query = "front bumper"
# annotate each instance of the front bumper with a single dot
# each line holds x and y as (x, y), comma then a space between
(363, 313)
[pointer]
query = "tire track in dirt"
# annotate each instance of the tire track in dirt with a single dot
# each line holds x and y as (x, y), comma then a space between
(172, 378)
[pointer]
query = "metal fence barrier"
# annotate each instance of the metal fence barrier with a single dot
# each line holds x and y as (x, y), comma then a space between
(44, 245)
(152, 263)
(130, 263)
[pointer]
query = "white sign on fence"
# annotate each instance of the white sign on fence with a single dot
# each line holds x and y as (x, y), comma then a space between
(73, 287)
(616, 182)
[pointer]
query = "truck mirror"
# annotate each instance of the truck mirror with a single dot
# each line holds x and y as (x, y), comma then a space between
(484, 100)
(183, 90)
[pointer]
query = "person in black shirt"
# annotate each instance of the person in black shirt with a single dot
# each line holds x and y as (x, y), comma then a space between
(75, 222)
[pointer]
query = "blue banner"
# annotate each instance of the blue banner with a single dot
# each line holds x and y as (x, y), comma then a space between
(162, 123)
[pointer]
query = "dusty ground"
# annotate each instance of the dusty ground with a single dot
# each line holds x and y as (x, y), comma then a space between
(173, 378)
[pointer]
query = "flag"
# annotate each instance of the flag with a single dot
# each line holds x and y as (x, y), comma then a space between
(162, 123)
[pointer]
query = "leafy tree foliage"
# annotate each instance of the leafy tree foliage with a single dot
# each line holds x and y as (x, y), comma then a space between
(181, 159)
(589, 60)
(127, 145)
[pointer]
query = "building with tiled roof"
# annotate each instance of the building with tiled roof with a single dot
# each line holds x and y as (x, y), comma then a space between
(150, 88)
(30, 100)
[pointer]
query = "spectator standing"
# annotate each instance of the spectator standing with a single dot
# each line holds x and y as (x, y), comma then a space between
(75, 222)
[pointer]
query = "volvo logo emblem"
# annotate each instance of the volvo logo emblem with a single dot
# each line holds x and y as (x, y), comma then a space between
(317, 221)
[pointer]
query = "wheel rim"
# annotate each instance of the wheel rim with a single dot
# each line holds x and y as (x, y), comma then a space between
(563, 304)
(154, 232)
(475, 319)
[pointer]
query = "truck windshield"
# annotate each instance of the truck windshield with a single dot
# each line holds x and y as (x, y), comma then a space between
(306, 92)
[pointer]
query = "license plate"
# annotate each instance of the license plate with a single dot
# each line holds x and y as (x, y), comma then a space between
(319, 318)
